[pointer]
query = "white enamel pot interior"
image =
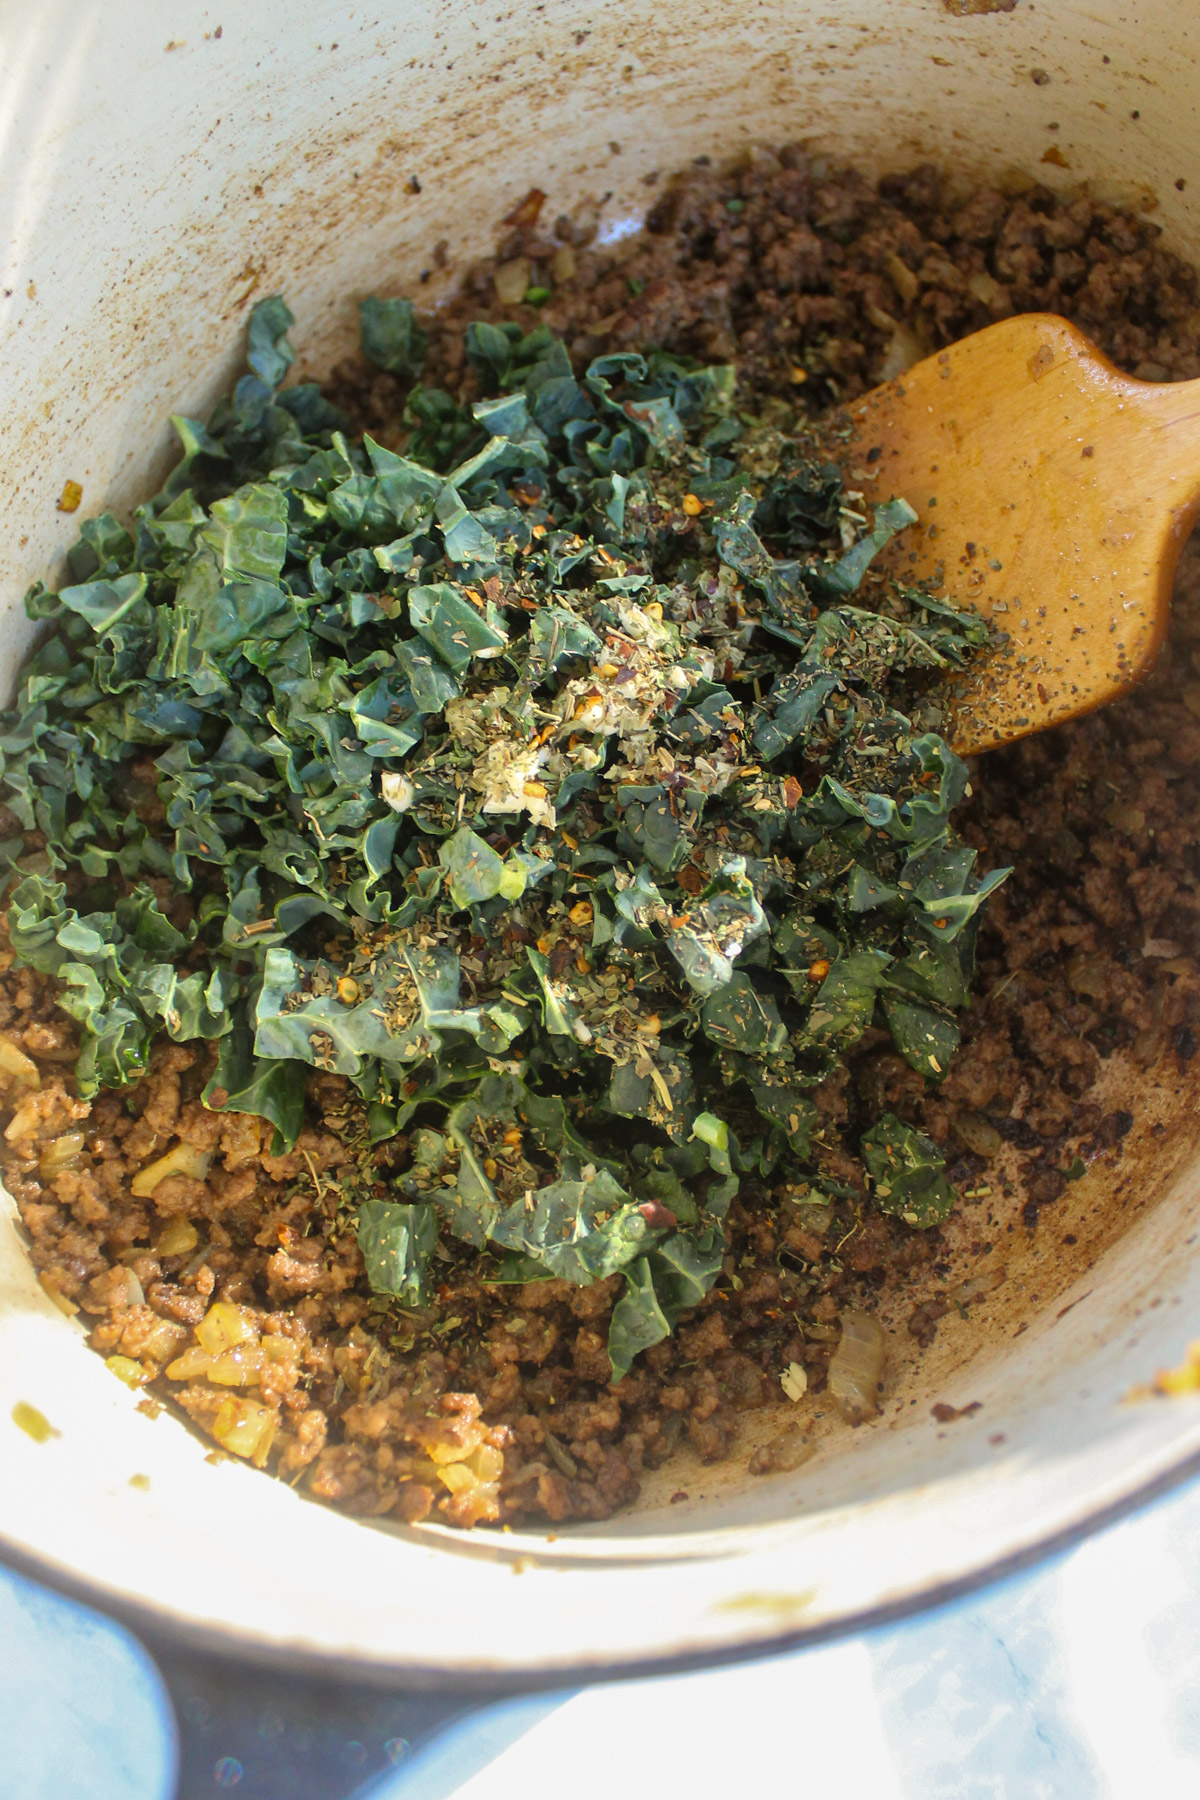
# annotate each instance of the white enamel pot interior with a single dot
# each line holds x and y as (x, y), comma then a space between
(156, 177)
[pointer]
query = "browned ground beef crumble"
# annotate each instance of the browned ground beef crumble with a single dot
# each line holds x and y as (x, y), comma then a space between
(802, 273)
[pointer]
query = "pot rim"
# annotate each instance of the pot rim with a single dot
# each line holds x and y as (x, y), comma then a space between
(152, 1623)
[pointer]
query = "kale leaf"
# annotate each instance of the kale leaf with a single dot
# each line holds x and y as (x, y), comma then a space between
(907, 1169)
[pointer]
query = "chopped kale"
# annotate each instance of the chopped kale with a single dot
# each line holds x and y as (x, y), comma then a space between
(908, 1171)
(556, 768)
(396, 1242)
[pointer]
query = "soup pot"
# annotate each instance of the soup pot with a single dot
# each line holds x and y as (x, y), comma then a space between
(167, 162)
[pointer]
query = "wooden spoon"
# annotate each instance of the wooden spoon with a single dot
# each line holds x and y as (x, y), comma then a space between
(1053, 494)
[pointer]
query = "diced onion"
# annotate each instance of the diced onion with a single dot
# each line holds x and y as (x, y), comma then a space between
(902, 277)
(445, 1450)
(904, 349)
(239, 1367)
(457, 1477)
(126, 1369)
(856, 1366)
(181, 1159)
(978, 1134)
(60, 1153)
(244, 1427)
(24, 1122)
(482, 1468)
(190, 1366)
(224, 1326)
(177, 1237)
(983, 286)
(488, 1463)
(511, 280)
(16, 1065)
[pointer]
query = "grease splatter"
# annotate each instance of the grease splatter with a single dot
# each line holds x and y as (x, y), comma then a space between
(33, 1423)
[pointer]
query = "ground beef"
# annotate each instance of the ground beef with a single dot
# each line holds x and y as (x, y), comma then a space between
(494, 1404)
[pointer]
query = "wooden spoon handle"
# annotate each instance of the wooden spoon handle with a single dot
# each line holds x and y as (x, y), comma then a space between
(1053, 494)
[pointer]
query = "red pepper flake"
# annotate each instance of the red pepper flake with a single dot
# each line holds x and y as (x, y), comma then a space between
(657, 1216)
(72, 494)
